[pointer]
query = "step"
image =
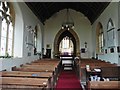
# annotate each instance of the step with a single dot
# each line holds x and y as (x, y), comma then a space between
(67, 62)
(68, 65)
(68, 68)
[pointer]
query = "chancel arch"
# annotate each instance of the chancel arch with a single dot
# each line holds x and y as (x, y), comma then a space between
(71, 34)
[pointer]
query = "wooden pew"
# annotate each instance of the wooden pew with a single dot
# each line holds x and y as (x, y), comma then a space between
(47, 75)
(41, 66)
(36, 69)
(55, 63)
(112, 73)
(20, 87)
(52, 64)
(93, 64)
(47, 61)
(20, 81)
(104, 85)
(41, 69)
(26, 74)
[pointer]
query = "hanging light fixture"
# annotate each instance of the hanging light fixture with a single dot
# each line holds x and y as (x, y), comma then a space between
(68, 23)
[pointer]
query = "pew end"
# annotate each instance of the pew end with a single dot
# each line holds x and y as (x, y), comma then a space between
(14, 68)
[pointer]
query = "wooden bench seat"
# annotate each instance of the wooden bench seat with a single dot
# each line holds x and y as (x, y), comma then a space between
(20, 87)
(47, 61)
(93, 64)
(26, 74)
(38, 82)
(36, 69)
(37, 74)
(39, 66)
(109, 85)
(97, 66)
(111, 72)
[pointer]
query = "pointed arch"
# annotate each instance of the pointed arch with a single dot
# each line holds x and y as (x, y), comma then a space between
(58, 38)
(7, 19)
(110, 24)
(99, 38)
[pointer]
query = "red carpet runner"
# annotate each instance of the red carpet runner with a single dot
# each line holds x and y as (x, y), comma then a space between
(68, 81)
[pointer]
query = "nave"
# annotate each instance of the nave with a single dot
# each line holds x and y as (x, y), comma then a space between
(33, 36)
(50, 74)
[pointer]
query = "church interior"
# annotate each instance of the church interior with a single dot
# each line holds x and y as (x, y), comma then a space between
(59, 45)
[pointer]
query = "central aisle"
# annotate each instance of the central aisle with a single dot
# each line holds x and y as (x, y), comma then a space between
(69, 81)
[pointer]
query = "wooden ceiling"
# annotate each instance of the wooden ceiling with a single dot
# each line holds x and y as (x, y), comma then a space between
(44, 10)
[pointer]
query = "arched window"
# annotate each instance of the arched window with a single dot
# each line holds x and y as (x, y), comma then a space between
(100, 38)
(35, 39)
(66, 46)
(65, 43)
(6, 29)
(35, 36)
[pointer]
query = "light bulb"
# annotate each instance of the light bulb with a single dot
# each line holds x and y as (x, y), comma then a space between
(68, 28)
(62, 27)
(66, 25)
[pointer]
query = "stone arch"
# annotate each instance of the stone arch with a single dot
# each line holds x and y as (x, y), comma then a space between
(57, 37)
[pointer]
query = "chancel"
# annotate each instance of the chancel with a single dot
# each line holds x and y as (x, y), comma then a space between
(60, 45)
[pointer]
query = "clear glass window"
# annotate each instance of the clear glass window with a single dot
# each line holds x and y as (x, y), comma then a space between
(6, 47)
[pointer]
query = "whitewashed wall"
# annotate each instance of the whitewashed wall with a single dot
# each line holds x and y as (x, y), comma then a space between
(29, 20)
(119, 31)
(18, 31)
(110, 12)
(6, 64)
(24, 17)
(82, 28)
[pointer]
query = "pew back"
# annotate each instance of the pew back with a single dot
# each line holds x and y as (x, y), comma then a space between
(109, 85)
(24, 81)
(26, 74)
